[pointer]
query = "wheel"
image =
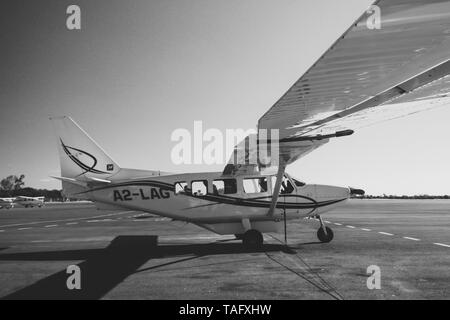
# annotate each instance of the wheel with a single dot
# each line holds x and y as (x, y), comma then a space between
(325, 237)
(252, 238)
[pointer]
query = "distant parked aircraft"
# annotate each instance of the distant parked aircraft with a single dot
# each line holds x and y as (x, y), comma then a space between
(29, 201)
(7, 203)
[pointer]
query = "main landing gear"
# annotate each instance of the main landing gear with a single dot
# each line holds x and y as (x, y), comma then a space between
(325, 234)
(251, 238)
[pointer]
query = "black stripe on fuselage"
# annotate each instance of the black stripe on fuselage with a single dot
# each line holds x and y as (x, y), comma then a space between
(222, 199)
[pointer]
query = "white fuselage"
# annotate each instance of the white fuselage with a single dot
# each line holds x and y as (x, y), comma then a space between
(198, 198)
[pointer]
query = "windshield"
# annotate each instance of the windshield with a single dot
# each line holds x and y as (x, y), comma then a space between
(298, 183)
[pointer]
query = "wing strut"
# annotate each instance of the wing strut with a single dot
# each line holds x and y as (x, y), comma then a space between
(276, 190)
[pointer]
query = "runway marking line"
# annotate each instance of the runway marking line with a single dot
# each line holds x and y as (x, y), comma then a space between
(99, 220)
(410, 238)
(24, 228)
(65, 220)
(51, 226)
(2, 230)
(442, 244)
(71, 223)
(388, 234)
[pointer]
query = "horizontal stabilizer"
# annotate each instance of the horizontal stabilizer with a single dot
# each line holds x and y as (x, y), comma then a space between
(71, 180)
(99, 180)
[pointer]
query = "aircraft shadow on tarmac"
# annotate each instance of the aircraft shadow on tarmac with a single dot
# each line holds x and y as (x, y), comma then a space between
(103, 269)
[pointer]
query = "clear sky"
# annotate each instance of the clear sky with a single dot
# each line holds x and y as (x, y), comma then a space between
(138, 70)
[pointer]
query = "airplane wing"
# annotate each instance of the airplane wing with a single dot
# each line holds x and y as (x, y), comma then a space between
(367, 76)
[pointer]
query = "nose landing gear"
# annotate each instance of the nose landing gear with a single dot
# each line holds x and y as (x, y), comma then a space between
(324, 234)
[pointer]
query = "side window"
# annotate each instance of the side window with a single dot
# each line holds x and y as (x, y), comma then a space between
(199, 188)
(181, 187)
(225, 186)
(218, 187)
(255, 185)
(230, 186)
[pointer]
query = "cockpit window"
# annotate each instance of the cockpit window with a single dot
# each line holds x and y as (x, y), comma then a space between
(298, 183)
(286, 185)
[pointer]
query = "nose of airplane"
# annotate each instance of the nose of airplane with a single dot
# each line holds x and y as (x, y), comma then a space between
(356, 192)
(326, 192)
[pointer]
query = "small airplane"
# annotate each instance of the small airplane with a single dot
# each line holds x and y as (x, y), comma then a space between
(29, 202)
(7, 203)
(367, 76)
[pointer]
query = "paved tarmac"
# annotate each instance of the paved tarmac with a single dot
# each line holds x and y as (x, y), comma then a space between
(409, 240)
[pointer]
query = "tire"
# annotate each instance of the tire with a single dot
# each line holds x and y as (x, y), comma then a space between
(325, 238)
(252, 239)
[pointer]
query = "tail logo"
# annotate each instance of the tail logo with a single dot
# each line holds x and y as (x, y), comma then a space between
(75, 154)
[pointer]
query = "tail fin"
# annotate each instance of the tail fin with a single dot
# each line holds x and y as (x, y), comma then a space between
(81, 158)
